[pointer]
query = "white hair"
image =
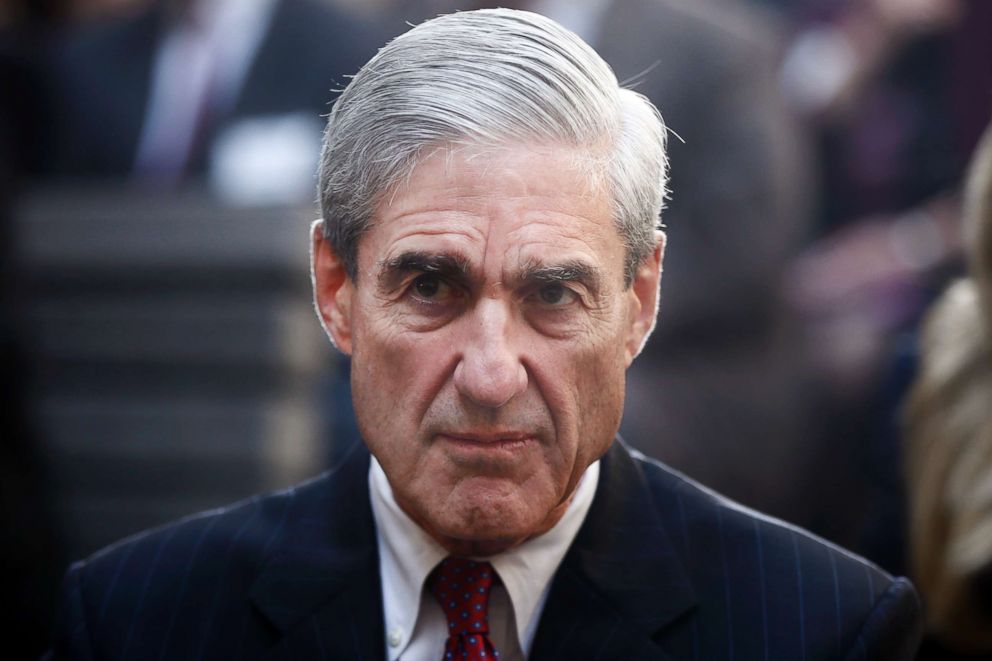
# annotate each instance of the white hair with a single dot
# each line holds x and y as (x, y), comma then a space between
(489, 78)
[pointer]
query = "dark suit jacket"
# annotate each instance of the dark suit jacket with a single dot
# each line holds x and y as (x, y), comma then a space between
(661, 569)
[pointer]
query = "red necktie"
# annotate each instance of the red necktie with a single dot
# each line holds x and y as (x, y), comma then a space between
(462, 588)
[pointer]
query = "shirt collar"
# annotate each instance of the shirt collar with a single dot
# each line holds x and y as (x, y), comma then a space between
(407, 554)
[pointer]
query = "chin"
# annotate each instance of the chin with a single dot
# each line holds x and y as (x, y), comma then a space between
(489, 527)
(481, 541)
(478, 549)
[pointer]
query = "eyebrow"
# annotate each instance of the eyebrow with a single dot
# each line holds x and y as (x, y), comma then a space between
(568, 271)
(457, 268)
(450, 266)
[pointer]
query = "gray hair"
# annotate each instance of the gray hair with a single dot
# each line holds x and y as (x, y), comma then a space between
(488, 77)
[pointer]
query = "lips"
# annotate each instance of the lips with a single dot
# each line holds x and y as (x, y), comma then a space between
(488, 437)
(487, 443)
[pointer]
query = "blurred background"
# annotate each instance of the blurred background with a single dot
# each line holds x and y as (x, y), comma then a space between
(159, 351)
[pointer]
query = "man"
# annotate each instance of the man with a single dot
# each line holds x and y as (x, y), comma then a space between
(489, 256)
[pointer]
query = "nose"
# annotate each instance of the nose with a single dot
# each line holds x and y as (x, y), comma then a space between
(490, 372)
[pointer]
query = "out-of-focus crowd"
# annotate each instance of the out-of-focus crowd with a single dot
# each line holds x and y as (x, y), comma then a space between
(812, 357)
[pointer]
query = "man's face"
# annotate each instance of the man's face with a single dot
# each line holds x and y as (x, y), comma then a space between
(490, 331)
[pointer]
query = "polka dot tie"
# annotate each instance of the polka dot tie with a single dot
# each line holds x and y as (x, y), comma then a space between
(462, 588)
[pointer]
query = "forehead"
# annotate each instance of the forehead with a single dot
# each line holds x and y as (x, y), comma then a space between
(518, 203)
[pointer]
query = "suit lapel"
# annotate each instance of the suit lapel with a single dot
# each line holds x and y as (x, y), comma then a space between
(321, 588)
(620, 583)
(618, 587)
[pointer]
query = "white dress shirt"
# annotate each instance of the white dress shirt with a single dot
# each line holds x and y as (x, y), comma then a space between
(416, 628)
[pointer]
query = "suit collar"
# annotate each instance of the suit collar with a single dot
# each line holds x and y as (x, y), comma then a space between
(618, 586)
(320, 587)
(621, 583)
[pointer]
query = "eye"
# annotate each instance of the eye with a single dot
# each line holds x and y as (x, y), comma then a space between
(427, 286)
(433, 288)
(555, 295)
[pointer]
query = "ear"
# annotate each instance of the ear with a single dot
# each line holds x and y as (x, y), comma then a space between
(333, 289)
(643, 297)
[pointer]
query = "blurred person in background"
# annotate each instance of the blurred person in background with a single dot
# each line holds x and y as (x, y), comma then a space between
(949, 446)
(895, 94)
(227, 91)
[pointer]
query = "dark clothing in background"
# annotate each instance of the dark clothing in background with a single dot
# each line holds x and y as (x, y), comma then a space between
(911, 132)
(101, 78)
(31, 550)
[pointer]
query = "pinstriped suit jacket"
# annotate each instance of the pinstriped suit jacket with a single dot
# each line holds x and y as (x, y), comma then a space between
(661, 569)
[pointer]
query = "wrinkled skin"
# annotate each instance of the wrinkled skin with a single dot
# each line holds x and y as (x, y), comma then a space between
(490, 331)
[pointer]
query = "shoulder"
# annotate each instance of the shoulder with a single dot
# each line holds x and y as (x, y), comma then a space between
(237, 537)
(771, 575)
(188, 585)
(238, 534)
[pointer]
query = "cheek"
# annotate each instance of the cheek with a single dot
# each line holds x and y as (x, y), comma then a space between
(601, 388)
(583, 385)
(396, 373)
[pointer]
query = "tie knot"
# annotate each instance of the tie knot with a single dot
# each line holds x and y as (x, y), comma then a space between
(462, 588)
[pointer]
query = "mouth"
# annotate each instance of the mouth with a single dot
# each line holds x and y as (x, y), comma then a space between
(507, 441)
